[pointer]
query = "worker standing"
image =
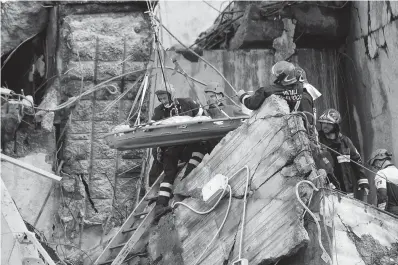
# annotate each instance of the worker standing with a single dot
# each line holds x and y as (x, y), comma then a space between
(167, 157)
(349, 175)
(216, 101)
(310, 94)
(386, 180)
(218, 109)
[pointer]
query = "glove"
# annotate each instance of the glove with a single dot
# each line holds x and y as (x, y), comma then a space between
(382, 206)
(159, 154)
(241, 93)
(363, 184)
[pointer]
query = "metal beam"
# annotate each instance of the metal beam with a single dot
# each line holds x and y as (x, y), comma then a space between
(30, 168)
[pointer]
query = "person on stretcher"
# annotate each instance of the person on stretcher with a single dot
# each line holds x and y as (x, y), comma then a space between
(166, 158)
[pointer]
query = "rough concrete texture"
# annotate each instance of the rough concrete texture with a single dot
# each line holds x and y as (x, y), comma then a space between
(274, 149)
(262, 23)
(11, 116)
(30, 190)
(284, 45)
(365, 235)
(51, 101)
(358, 233)
(99, 181)
(255, 30)
(20, 21)
(372, 64)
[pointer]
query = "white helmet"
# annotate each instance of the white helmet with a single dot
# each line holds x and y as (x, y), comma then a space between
(379, 154)
(285, 73)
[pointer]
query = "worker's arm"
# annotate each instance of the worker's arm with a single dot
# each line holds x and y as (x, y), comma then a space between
(256, 100)
(237, 112)
(157, 114)
(197, 110)
(307, 104)
(359, 171)
(381, 186)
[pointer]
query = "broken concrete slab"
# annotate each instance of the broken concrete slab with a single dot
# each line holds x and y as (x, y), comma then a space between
(274, 147)
(358, 233)
(284, 45)
(255, 30)
(20, 21)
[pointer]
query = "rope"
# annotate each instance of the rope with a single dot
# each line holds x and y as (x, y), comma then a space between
(109, 106)
(208, 211)
(204, 60)
(244, 211)
(325, 256)
(157, 47)
(360, 165)
(137, 122)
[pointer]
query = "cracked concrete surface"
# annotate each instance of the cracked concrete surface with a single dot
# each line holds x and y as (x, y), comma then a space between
(273, 151)
(372, 64)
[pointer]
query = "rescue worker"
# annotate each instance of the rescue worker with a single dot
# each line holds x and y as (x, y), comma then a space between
(287, 85)
(310, 94)
(386, 180)
(215, 97)
(348, 174)
(169, 157)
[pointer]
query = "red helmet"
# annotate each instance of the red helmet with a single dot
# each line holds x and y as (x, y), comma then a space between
(331, 116)
(285, 73)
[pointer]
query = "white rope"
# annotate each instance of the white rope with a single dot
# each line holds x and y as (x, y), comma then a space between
(208, 211)
(244, 211)
(325, 256)
(137, 122)
(221, 226)
(197, 211)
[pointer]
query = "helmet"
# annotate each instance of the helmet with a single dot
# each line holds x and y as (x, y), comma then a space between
(302, 76)
(214, 87)
(285, 73)
(331, 116)
(379, 154)
(168, 88)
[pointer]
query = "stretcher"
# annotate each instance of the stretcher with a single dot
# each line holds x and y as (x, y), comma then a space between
(172, 134)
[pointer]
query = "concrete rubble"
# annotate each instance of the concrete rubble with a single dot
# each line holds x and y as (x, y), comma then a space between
(21, 21)
(89, 42)
(275, 150)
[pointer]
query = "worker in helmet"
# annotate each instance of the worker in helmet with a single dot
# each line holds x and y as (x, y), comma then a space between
(286, 85)
(167, 158)
(350, 176)
(386, 180)
(172, 106)
(310, 94)
(217, 107)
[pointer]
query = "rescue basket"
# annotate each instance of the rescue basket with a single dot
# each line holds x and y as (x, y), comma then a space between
(172, 134)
